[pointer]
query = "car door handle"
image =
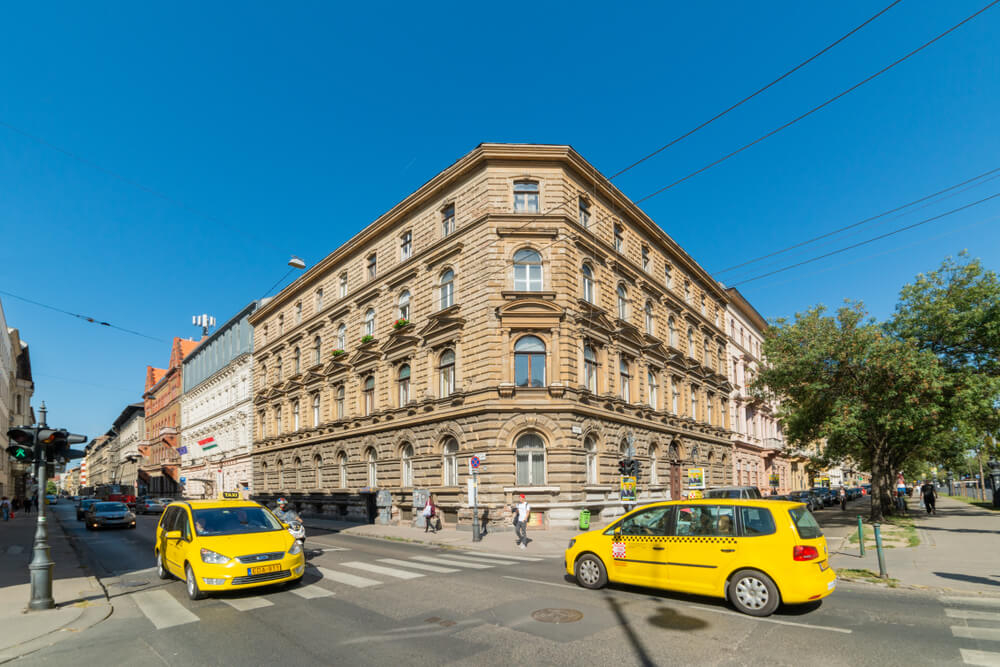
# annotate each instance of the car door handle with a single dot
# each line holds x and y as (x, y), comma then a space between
(727, 551)
(658, 548)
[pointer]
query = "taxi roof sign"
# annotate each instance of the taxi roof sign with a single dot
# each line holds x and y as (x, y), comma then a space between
(231, 495)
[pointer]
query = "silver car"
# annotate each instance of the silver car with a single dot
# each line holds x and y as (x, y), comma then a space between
(109, 514)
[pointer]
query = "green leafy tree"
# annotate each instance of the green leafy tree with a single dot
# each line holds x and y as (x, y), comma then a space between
(874, 397)
(51, 488)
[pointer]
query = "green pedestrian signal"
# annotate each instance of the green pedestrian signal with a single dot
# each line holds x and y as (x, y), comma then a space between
(21, 454)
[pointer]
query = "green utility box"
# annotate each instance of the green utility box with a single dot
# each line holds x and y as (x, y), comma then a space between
(584, 519)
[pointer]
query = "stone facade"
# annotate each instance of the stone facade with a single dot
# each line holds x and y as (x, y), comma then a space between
(217, 411)
(7, 374)
(517, 305)
(127, 431)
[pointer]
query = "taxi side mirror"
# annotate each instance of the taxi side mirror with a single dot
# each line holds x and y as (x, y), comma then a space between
(173, 535)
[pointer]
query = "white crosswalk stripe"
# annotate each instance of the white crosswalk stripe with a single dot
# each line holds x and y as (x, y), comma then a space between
(977, 614)
(965, 632)
(162, 609)
(346, 578)
(970, 602)
(487, 554)
(436, 560)
(972, 614)
(418, 566)
(311, 591)
(379, 569)
(246, 604)
(479, 559)
(983, 658)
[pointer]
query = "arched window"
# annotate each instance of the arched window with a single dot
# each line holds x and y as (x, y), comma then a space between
(406, 466)
(530, 460)
(317, 349)
(369, 329)
(264, 483)
(622, 303)
(529, 362)
(589, 369)
(525, 197)
(342, 469)
(624, 379)
(295, 416)
(650, 323)
(527, 271)
(653, 390)
(263, 375)
(317, 472)
(447, 290)
(403, 305)
(590, 451)
(623, 448)
(372, 459)
(404, 385)
(342, 337)
(297, 361)
(297, 464)
(340, 402)
(653, 473)
(315, 410)
(672, 328)
(446, 371)
(588, 283)
(450, 453)
(369, 394)
(281, 475)
(690, 349)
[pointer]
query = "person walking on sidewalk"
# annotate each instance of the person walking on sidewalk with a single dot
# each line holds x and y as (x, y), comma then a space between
(5, 508)
(929, 495)
(430, 515)
(842, 495)
(521, 513)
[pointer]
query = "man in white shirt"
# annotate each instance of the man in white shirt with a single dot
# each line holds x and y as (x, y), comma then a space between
(521, 513)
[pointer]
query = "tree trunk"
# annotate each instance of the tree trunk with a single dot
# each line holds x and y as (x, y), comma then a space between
(878, 482)
(982, 478)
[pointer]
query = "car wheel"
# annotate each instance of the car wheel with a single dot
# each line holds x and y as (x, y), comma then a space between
(161, 569)
(590, 572)
(191, 584)
(752, 592)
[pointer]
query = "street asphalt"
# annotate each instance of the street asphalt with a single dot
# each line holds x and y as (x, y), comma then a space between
(379, 602)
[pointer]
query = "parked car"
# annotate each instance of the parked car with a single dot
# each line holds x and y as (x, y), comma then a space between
(52, 499)
(826, 495)
(739, 492)
(81, 509)
(806, 496)
(149, 506)
(108, 514)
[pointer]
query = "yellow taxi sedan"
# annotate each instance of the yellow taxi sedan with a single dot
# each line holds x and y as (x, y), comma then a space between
(755, 553)
(225, 545)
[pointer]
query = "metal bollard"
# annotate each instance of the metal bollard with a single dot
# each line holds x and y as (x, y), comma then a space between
(861, 535)
(878, 549)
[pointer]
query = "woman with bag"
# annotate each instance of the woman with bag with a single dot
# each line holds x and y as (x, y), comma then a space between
(430, 515)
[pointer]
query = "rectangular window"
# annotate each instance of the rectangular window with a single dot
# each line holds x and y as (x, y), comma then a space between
(675, 396)
(372, 266)
(669, 277)
(404, 391)
(405, 246)
(619, 238)
(319, 299)
(757, 521)
(584, 213)
(705, 521)
(645, 259)
(805, 523)
(343, 285)
(526, 197)
(448, 220)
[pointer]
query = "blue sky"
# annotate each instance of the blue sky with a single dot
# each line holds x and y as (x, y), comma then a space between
(285, 128)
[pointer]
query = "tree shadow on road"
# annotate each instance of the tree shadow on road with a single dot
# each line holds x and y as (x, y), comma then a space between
(972, 579)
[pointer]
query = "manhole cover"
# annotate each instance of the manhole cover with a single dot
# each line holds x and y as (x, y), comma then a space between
(557, 615)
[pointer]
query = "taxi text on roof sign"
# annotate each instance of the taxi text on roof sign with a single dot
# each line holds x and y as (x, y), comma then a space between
(231, 495)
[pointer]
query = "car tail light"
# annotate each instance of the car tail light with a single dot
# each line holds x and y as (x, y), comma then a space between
(800, 552)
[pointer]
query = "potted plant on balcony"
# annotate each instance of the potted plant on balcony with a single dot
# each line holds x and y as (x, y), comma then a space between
(338, 353)
(401, 323)
(367, 338)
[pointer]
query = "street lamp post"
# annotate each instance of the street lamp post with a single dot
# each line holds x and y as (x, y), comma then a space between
(995, 477)
(41, 564)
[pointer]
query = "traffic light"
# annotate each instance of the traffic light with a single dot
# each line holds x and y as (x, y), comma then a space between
(622, 467)
(21, 453)
(634, 468)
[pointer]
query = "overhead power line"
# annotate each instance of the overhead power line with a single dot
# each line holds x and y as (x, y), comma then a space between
(754, 94)
(853, 225)
(86, 318)
(866, 241)
(819, 106)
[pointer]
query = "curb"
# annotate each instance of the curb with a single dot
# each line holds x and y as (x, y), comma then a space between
(91, 616)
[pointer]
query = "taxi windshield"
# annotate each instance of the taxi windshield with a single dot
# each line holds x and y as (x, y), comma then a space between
(234, 521)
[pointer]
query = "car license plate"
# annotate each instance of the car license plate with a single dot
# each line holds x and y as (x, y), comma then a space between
(263, 569)
(824, 565)
(830, 586)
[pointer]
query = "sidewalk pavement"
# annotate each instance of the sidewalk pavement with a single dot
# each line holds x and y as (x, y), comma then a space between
(959, 547)
(80, 599)
(542, 543)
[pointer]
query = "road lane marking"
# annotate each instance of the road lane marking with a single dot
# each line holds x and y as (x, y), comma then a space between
(972, 602)
(491, 561)
(418, 566)
(771, 620)
(246, 604)
(162, 609)
(311, 591)
(982, 658)
(345, 578)
(972, 614)
(457, 563)
(387, 571)
(503, 556)
(965, 632)
(547, 583)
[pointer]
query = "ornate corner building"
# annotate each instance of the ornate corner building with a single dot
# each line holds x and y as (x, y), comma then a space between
(517, 305)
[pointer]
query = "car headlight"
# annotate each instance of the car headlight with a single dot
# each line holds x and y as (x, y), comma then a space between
(296, 549)
(571, 543)
(209, 556)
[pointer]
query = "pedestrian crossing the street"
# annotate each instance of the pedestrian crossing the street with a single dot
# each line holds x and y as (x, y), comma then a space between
(164, 610)
(976, 619)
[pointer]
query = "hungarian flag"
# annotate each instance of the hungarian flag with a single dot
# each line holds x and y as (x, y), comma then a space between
(207, 443)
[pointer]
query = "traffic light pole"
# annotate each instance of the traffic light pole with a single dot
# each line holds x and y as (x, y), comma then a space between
(41, 559)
